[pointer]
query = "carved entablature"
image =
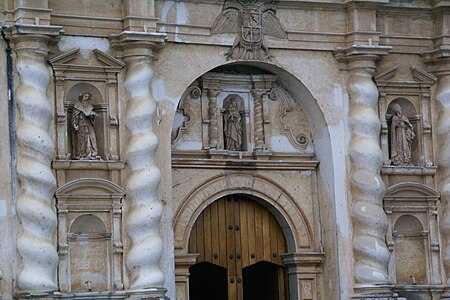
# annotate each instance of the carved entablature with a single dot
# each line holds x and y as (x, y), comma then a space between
(240, 115)
(74, 75)
(406, 116)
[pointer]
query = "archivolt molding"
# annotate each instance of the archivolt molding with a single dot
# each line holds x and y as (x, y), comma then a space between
(299, 234)
(411, 189)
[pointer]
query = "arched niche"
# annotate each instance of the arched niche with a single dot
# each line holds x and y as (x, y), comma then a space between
(413, 233)
(410, 251)
(100, 121)
(90, 238)
(412, 118)
(89, 244)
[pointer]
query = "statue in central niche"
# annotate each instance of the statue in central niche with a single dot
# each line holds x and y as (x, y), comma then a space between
(402, 135)
(233, 127)
(83, 119)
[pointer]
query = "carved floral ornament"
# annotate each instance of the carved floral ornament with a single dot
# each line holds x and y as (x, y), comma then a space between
(251, 20)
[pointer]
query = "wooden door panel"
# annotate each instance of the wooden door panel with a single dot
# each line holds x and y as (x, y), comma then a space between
(234, 233)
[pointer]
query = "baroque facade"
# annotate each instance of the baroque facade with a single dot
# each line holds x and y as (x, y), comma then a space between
(209, 149)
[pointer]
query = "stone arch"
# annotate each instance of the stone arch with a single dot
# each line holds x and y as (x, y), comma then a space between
(328, 141)
(83, 186)
(289, 215)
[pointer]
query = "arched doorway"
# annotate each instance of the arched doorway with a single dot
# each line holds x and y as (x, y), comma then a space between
(240, 244)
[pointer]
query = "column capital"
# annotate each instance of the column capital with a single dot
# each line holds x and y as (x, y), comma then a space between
(133, 43)
(439, 60)
(32, 33)
(361, 56)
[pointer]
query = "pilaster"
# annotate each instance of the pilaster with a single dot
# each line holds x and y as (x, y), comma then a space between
(370, 253)
(35, 150)
(144, 208)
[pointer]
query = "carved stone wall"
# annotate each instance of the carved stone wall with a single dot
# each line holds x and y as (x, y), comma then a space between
(311, 140)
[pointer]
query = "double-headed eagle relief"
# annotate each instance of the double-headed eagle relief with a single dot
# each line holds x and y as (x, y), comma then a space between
(251, 20)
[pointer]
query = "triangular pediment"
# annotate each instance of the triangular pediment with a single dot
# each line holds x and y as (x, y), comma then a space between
(72, 58)
(422, 76)
(65, 58)
(386, 74)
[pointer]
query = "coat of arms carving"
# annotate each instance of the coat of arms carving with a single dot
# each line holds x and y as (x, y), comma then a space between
(251, 20)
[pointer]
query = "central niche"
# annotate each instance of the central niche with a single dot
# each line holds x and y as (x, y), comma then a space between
(240, 111)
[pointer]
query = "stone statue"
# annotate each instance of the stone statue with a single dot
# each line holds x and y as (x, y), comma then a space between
(233, 127)
(83, 118)
(402, 135)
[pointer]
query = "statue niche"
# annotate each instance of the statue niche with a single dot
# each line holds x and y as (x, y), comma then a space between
(84, 141)
(233, 129)
(401, 135)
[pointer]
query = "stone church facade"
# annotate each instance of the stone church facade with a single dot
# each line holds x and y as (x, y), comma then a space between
(234, 149)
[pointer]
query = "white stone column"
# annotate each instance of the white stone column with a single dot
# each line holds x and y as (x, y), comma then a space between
(441, 63)
(35, 150)
(144, 208)
(371, 255)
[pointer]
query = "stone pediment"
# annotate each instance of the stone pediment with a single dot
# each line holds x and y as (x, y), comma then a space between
(411, 190)
(90, 187)
(393, 76)
(72, 60)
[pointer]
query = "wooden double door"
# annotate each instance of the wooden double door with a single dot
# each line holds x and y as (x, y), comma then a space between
(239, 243)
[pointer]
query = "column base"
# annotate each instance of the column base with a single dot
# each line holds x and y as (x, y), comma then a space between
(374, 292)
(145, 294)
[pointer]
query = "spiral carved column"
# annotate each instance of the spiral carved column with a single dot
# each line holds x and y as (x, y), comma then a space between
(144, 209)
(259, 121)
(368, 217)
(371, 255)
(35, 149)
(443, 132)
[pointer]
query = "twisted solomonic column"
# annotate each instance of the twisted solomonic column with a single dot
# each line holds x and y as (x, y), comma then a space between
(37, 184)
(367, 188)
(145, 210)
(443, 132)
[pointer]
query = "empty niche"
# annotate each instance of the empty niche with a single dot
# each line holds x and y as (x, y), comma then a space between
(74, 137)
(89, 242)
(234, 121)
(410, 259)
(402, 123)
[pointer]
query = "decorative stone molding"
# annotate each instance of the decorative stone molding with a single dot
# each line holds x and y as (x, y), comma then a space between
(244, 183)
(37, 185)
(366, 186)
(145, 209)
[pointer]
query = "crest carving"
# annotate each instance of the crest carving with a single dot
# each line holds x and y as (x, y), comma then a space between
(251, 20)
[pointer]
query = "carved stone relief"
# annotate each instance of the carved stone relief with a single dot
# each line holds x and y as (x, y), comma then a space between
(225, 113)
(251, 20)
(291, 120)
(185, 113)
